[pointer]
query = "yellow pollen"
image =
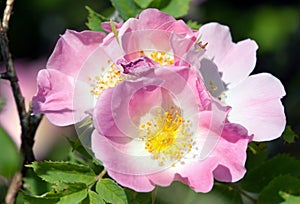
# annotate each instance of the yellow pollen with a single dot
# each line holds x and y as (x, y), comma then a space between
(212, 87)
(162, 58)
(110, 78)
(167, 136)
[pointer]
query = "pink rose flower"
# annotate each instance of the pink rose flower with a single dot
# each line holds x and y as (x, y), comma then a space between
(156, 117)
(151, 131)
(56, 84)
(255, 99)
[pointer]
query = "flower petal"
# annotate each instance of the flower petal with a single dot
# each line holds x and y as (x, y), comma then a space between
(139, 183)
(231, 153)
(72, 49)
(234, 61)
(256, 105)
(54, 97)
(199, 174)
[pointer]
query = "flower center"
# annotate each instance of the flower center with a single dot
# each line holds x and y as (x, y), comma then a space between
(162, 58)
(167, 136)
(108, 79)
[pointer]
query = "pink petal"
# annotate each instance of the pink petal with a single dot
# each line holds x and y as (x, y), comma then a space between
(234, 61)
(154, 19)
(107, 27)
(72, 49)
(139, 183)
(54, 97)
(124, 155)
(256, 105)
(163, 178)
(231, 153)
(199, 174)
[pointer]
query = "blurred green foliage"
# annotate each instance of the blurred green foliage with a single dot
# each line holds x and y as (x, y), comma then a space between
(9, 156)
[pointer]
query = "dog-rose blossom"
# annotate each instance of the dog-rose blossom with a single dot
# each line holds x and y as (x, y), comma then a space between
(151, 131)
(255, 99)
(167, 102)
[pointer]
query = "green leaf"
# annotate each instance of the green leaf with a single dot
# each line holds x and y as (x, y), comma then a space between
(76, 197)
(37, 200)
(159, 4)
(257, 147)
(62, 193)
(94, 20)
(256, 155)
(289, 135)
(110, 191)
(270, 194)
(34, 185)
(177, 8)
(257, 178)
(114, 30)
(126, 8)
(143, 3)
(289, 199)
(10, 160)
(95, 198)
(193, 25)
(55, 172)
(64, 189)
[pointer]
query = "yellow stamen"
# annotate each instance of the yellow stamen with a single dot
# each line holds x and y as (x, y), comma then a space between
(162, 58)
(110, 78)
(167, 136)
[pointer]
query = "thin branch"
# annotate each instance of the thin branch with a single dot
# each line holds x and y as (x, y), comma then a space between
(29, 123)
(13, 188)
(102, 173)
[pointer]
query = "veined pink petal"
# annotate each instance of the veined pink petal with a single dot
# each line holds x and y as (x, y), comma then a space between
(235, 61)
(72, 49)
(256, 105)
(54, 97)
(199, 174)
(231, 153)
(161, 19)
(139, 183)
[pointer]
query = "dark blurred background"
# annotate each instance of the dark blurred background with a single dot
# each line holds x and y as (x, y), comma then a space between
(36, 25)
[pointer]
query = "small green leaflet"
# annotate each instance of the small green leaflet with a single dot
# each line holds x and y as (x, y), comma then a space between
(67, 172)
(289, 135)
(111, 192)
(193, 25)
(114, 30)
(62, 193)
(177, 8)
(259, 177)
(289, 199)
(94, 20)
(284, 183)
(126, 8)
(143, 3)
(95, 198)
